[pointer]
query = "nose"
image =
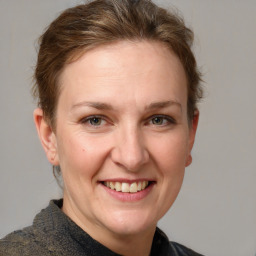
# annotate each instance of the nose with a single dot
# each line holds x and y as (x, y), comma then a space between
(129, 151)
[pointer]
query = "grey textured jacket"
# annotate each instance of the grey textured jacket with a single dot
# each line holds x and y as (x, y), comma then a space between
(55, 234)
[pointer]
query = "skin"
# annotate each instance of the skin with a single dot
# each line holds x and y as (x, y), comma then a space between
(125, 142)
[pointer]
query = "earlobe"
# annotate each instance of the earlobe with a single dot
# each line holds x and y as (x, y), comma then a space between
(189, 160)
(192, 135)
(46, 136)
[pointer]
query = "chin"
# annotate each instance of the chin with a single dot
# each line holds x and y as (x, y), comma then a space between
(130, 222)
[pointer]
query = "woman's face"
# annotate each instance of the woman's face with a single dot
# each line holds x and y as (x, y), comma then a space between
(122, 125)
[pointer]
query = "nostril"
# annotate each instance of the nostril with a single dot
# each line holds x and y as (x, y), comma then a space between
(129, 161)
(129, 151)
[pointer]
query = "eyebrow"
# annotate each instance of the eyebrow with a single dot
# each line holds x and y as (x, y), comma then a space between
(106, 106)
(163, 104)
(96, 105)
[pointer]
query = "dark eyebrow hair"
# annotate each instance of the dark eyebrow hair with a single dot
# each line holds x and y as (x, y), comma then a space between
(105, 106)
(163, 104)
(97, 105)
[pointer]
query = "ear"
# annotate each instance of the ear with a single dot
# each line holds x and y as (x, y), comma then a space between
(46, 136)
(192, 135)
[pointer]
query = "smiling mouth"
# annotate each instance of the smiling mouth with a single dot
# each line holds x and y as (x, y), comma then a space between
(125, 187)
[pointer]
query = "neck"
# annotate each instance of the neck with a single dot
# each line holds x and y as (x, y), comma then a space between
(131, 245)
(138, 244)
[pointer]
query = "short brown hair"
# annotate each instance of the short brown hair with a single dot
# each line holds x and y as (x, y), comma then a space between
(105, 21)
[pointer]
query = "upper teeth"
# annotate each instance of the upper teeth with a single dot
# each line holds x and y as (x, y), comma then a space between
(126, 187)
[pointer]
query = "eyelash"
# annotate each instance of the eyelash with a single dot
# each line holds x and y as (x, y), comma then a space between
(168, 119)
(90, 118)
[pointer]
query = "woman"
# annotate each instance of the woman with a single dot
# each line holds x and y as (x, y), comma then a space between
(117, 87)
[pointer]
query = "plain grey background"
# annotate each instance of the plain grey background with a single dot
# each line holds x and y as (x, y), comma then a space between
(215, 212)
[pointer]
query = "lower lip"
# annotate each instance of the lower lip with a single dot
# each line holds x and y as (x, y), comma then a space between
(129, 197)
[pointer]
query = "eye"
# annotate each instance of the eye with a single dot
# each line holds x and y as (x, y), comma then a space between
(158, 120)
(96, 121)
(93, 121)
(162, 120)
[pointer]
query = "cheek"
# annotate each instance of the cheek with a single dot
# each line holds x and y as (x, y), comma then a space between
(81, 155)
(170, 152)
(170, 157)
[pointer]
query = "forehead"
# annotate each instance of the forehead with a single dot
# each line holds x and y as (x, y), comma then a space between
(140, 71)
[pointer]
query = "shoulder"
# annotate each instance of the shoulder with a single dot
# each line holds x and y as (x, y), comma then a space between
(21, 242)
(180, 250)
(44, 237)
